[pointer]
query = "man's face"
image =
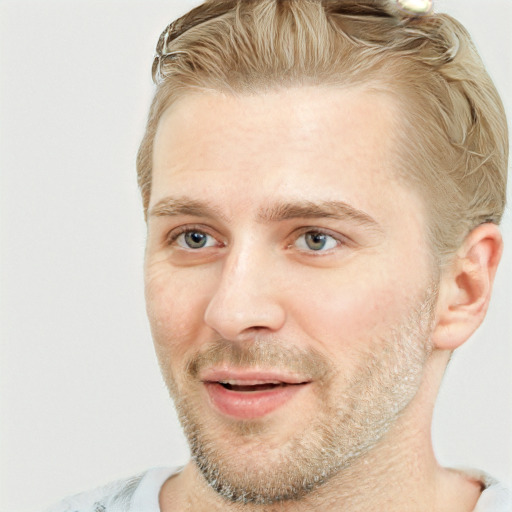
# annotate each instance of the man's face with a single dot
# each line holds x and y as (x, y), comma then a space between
(288, 283)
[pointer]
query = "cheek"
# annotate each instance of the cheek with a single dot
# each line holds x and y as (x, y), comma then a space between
(351, 309)
(175, 303)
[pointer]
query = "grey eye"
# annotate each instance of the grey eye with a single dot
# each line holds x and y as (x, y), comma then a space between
(316, 241)
(195, 240)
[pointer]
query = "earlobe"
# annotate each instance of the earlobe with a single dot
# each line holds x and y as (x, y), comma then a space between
(465, 288)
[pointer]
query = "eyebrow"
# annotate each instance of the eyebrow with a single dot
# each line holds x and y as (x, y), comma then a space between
(338, 210)
(173, 206)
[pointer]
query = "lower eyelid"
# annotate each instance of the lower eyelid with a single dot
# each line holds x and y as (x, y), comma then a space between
(337, 241)
(173, 237)
(211, 241)
(174, 234)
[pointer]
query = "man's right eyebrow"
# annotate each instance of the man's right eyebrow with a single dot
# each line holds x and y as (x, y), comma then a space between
(173, 206)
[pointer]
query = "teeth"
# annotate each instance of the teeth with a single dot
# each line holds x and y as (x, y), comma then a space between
(249, 382)
(251, 388)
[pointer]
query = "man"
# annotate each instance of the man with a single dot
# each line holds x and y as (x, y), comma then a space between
(322, 184)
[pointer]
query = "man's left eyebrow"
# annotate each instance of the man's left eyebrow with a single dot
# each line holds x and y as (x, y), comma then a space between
(338, 210)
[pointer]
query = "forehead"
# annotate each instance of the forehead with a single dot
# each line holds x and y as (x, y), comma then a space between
(312, 143)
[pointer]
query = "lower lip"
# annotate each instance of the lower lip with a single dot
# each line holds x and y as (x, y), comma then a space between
(250, 405)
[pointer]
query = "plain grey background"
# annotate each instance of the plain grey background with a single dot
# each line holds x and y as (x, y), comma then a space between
(82, 401)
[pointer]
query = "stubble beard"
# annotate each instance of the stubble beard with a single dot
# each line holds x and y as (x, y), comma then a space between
(244, 466)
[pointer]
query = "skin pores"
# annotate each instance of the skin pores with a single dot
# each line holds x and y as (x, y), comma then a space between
(288, 282)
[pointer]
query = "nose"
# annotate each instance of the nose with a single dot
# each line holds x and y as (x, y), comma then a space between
(247, 298)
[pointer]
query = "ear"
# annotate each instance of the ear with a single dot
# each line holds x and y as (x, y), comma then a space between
(465, 287)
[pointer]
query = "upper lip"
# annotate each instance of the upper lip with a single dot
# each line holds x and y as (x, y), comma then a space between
(250, 376)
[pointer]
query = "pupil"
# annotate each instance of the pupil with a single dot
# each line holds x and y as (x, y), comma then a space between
(195, 240)
(315, 241)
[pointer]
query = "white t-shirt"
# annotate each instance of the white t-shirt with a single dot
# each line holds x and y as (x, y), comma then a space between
(140, 494)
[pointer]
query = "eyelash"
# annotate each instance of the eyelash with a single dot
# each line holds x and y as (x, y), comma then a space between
(176, 233)
(173, 236)
(339, 239)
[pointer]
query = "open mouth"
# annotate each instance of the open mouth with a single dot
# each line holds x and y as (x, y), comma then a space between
(249, 396)
(254, 388)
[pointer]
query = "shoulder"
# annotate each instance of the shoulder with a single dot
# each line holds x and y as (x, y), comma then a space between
(496, 497)
(125, 495)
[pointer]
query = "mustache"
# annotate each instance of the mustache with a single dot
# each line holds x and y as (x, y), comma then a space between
(266, 354)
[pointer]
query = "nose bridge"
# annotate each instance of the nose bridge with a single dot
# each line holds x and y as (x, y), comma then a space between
(247, 295)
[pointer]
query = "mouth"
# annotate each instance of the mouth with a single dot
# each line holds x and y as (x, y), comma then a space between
(250, 394)
(253, 387)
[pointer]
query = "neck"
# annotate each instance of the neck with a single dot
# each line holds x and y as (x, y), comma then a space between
(399, 474)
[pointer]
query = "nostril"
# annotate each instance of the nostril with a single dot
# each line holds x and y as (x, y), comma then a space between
(244, 318)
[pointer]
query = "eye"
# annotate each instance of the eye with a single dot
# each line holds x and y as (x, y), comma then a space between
(194, 239)
(316, 241)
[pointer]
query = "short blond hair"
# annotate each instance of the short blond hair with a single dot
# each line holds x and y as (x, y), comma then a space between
(455, 138)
